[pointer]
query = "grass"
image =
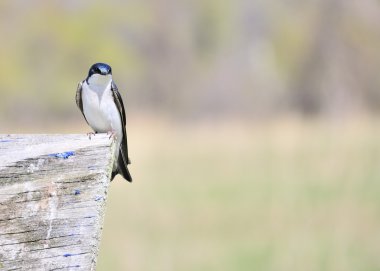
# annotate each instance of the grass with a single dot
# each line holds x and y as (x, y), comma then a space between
(283, 195)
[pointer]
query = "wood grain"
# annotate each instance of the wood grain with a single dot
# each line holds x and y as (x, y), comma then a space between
(53, 192)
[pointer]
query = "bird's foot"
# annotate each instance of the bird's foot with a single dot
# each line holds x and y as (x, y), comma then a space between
(112, 134)
(90, 134)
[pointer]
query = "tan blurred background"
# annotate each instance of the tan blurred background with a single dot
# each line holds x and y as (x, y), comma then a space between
(253, 125)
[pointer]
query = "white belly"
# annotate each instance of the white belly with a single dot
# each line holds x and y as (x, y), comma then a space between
(101, 112)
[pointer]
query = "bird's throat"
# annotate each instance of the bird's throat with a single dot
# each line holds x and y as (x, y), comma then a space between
(99, 81)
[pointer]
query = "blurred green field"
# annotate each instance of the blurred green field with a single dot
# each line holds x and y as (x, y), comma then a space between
(283, 195)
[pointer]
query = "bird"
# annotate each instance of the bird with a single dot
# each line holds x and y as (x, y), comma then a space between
(100, 102)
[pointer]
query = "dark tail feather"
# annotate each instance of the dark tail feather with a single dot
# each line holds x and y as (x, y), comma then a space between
(122, 169)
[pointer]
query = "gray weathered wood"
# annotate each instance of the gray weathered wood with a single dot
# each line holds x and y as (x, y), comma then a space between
(52, 200)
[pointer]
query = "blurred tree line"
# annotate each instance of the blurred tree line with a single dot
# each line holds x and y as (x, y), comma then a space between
(191, 59)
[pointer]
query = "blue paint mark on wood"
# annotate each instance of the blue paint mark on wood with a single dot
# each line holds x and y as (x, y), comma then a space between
(97, 198)
(63, 155)
(76, 192)
(6, 140)
(71, 254)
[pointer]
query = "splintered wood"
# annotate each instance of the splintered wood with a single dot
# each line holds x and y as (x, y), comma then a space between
(53, 192)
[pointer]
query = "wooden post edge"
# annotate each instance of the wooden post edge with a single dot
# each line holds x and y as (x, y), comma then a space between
(53, 191)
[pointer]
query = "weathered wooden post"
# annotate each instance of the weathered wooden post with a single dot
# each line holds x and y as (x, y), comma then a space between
(53, 192)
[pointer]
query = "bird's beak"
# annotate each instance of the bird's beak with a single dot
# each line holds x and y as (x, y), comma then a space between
(103, 71)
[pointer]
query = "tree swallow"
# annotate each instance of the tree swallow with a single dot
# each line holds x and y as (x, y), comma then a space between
(100, 102)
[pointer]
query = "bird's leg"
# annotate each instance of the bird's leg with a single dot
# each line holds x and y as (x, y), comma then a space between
(90, 134)
(112, 134)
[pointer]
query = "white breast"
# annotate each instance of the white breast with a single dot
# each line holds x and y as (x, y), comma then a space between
(100, 109)
(101, 112)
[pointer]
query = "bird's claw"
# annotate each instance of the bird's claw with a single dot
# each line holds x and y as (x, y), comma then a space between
(90, 134)
(112, 134)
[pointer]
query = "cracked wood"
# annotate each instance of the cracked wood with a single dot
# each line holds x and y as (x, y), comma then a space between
(53, 191)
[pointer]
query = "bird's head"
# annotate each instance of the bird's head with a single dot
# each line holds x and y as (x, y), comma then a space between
(99, 74)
